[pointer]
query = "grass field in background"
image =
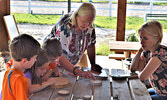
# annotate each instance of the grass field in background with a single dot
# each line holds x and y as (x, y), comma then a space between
(100, 21)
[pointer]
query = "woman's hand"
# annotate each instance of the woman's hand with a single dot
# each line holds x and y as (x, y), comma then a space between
(86, 74)
(96, 67)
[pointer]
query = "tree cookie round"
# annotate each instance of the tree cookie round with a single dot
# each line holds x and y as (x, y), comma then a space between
(63, 92)
(60, 82)
(96, 82)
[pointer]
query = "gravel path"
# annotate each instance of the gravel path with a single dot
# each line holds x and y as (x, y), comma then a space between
(41, 31)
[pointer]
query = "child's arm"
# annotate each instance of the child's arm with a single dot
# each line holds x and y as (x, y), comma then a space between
(38, 87)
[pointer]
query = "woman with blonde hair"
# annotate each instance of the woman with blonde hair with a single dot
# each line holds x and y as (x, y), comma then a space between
(151, 59)
(76, 33)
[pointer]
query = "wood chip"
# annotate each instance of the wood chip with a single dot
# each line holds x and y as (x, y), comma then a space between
(63, 92)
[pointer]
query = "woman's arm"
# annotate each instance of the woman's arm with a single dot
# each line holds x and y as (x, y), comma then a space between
(150, 68)
(91, 54)
(68, 66)
(138, 62)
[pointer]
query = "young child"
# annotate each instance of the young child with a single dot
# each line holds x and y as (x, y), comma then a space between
(53, 48)
(24, 50)
(151, 59)
(35, 74)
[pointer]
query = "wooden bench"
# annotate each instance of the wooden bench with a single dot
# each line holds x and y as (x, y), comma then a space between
(127, 88)
(155, 17)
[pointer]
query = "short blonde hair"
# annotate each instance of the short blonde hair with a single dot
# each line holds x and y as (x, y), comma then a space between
(153, 28)
(84, 9)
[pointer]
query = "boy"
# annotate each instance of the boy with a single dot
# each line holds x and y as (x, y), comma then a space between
(53, 48)
(23, 50)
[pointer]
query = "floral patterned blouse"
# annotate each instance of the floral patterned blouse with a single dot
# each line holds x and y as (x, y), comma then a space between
(158, 79)
(73, 45)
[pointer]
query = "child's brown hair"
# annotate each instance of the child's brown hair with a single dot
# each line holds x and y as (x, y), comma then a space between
(53, 48)
(41, 59)
(24, 46)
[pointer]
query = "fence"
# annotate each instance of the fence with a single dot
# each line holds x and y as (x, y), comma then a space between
(110, 6)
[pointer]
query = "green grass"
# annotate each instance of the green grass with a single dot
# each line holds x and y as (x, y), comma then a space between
(100, 21)
(36, 19)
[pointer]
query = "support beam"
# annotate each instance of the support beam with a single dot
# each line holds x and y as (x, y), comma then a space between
(4, 10)
(121, 20)
(69, 6)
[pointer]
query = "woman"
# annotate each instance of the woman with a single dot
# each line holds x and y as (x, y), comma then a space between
(76, 33)
(151, 59)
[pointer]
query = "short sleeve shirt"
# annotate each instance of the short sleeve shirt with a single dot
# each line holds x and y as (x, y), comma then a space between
(159, 78)
(18, 84)
(73, 45)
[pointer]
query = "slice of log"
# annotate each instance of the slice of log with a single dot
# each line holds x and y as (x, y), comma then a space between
(60, 98)
(63, 92)
(96, 82)
(60, 82)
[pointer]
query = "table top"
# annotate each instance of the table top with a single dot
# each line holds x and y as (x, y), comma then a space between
(121, 46)
(129, 87)
(82, 88)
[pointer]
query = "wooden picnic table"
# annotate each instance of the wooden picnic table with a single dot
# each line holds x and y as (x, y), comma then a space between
(123, 46)
(128, 87)
(82, 88)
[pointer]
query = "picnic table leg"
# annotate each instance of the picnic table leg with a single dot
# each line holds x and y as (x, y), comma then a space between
(127, 54)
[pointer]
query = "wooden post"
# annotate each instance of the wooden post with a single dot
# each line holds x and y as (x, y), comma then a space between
(4, 10)
(121, 20)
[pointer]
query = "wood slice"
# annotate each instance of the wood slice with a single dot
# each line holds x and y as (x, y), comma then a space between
(96, 82)
(60, 82)
(63, 92)
(60, 98)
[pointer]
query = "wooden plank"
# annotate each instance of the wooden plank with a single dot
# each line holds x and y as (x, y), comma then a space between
(44, 94)
(4, 10)
(69, 88)
(121, 20)
(116, 56)
(121, 46)
(103, 92)
(83, 88)
(120, 90)
(139, 90)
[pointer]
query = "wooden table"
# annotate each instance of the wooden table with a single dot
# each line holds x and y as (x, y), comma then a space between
(128, 88)
(83, 88)
(122, 46)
